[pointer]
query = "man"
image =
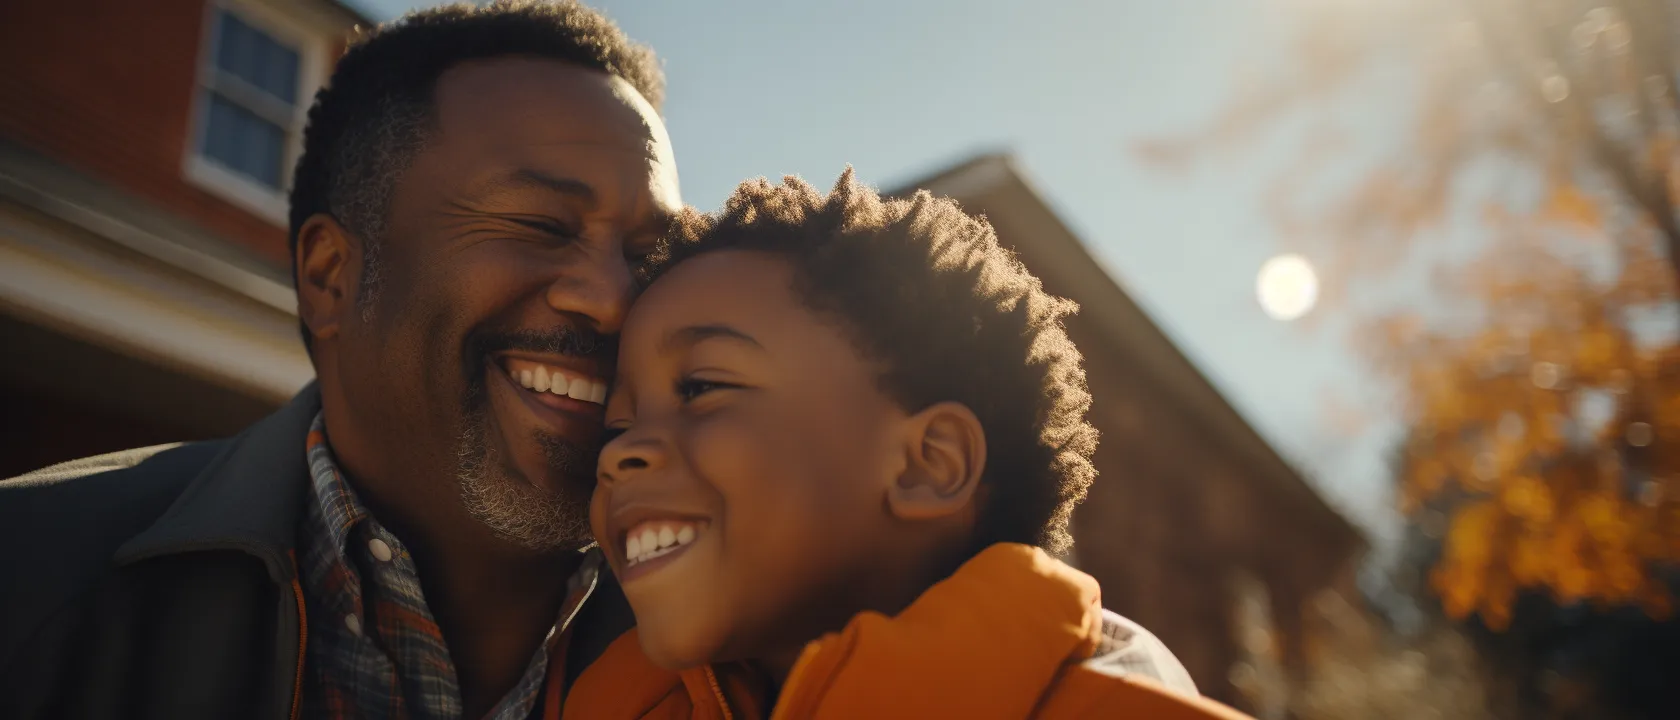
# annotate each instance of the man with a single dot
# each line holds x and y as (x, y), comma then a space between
(407, 537)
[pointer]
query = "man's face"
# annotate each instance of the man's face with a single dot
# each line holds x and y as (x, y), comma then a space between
(478, 371)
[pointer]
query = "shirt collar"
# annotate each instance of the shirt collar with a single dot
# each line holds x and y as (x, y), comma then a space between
(334, 516)
(335, 499)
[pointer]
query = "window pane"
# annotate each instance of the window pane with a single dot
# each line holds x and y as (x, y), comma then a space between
(244, 142)
(255, 57)
(282, 76)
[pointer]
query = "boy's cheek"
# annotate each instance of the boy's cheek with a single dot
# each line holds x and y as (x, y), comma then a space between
(741, 456)
(598, 517)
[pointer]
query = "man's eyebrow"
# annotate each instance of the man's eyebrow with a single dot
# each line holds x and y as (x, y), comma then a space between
(527, 178)
(694, 334)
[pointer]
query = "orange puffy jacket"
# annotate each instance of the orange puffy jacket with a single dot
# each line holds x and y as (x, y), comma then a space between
(1010, 635)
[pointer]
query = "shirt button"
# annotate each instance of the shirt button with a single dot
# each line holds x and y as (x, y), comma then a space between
(380, 550)
(354, 624)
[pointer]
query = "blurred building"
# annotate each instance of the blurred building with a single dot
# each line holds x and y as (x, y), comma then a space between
(1191, 504)
(144, 281)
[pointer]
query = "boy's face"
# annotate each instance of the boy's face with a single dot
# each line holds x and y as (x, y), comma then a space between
(743, 507)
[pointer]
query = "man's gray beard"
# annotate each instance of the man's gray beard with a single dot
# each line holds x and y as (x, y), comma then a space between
(516, 510)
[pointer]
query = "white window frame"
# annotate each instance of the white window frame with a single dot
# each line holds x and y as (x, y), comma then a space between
(311, 44)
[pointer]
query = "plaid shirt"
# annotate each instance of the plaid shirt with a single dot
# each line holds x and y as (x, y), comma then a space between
(374, 650)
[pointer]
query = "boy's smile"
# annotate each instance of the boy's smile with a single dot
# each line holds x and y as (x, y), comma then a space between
(654, 539)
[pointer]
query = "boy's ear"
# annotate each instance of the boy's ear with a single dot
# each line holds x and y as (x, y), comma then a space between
(947, 454)
(325, 277)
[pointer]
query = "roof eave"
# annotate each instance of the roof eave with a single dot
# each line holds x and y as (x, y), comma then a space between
(1117, 314)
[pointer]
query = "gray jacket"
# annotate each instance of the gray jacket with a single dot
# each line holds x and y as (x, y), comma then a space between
(160, 583)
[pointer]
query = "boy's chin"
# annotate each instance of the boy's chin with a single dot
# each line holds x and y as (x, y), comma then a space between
(675, 649)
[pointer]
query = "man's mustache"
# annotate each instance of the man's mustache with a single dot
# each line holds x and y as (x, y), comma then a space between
(563, 340)
(571, 341)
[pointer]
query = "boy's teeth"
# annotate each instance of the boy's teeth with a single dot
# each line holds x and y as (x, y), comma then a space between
(654, 538)
(541, 378)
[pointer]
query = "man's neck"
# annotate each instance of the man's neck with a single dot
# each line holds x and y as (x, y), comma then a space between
(494, 612)
(493, 601)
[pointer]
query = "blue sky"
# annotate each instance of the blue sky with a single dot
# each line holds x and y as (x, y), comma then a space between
(903, 89)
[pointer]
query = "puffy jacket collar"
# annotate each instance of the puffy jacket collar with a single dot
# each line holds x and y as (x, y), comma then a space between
(995, 640)
(985, 643)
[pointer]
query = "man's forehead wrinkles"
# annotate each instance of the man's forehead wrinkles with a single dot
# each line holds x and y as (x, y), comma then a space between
(611, 144)
(643, 150)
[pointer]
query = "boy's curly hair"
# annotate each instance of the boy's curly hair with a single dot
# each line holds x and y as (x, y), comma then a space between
(925, 290)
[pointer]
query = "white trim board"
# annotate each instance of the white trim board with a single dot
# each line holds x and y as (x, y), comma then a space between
(123, 302)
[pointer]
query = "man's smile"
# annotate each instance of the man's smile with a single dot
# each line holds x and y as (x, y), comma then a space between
(562, 398)
(544, 378)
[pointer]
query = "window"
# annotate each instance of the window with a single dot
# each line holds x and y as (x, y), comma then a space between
(258, 73)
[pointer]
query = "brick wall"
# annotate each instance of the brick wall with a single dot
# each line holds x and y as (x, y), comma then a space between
(1150, 530)
(106, 87)
(1172, 516)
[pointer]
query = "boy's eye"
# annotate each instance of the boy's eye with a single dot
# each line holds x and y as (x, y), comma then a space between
(690, 388)
(612, 433)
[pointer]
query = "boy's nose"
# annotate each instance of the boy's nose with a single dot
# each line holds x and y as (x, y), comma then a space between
(629, 454)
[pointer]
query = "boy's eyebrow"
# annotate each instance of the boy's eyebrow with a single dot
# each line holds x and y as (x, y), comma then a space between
(692, 335)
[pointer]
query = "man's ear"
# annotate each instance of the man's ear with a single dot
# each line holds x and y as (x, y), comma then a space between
(947, 454)
(326, 274)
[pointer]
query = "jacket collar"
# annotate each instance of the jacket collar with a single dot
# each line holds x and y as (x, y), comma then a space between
(1011, 619)
(249, 498)
(986, 642)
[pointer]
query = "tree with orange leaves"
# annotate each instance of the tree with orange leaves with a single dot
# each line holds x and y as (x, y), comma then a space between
(1550, 412)
(1543, 410)
(1545, 425)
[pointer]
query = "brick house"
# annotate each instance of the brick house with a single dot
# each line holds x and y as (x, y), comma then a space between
(1190, 501)
(143, 151)
(145, 297)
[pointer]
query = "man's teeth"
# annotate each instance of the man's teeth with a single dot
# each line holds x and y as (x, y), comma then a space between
(656, 538)
(544, 379)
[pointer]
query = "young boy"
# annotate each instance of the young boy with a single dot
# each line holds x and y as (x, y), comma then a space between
(848, 436)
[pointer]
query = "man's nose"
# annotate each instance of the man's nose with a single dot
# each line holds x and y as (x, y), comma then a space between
(598, 289)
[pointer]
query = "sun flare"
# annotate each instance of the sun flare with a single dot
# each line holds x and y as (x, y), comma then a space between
(1287, 287)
